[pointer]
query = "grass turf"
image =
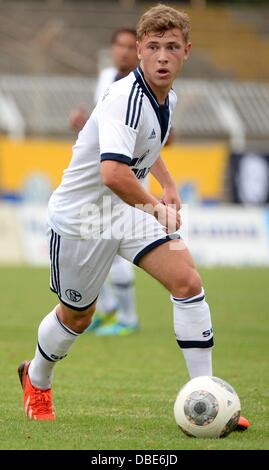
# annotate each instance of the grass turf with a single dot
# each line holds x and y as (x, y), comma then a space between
(118, 392)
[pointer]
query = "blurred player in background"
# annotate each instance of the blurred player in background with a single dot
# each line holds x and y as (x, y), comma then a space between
(117, 293)
(124, 54)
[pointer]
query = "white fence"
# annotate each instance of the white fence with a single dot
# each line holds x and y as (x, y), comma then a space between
(205, 109)
(219, 235)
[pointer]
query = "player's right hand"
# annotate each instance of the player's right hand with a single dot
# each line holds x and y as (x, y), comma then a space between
(168, 217)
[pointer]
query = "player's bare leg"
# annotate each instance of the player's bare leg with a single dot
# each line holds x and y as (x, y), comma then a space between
(76, 321)
(56, 334)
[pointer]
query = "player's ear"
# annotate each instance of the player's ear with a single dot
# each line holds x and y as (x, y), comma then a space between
(187, 50)
(138, 49)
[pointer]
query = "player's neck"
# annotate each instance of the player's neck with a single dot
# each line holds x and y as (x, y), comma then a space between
(160, 93)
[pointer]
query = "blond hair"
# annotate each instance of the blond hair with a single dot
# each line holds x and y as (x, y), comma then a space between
(161, 18)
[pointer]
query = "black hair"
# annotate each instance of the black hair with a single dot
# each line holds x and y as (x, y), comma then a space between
(121, 31)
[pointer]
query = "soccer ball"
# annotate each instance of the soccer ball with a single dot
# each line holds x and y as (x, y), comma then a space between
(207, 407)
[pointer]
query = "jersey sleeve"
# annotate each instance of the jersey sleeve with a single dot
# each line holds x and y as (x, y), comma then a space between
(117, 131)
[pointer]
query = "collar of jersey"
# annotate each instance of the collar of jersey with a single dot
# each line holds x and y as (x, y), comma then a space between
(139, 75)
(161, 110)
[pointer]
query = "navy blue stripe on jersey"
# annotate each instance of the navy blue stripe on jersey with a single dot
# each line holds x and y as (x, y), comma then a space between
(139, 109)
(162, 111)
(117, 157)
(135, 101)
(196, 344)
(129, 104)
(134, 106)
(153, 245)
(139, 75)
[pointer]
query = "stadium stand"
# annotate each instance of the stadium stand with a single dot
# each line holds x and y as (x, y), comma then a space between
(228, 37)
(43, 38)
(64, 38)
(45, 103)
(49, 61)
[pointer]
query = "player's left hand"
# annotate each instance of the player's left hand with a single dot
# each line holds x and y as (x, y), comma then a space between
(171, 196)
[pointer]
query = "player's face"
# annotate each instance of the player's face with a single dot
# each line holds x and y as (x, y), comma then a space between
(162, 56)
(124, 52)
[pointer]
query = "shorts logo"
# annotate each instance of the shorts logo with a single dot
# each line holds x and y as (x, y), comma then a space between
(73, 295)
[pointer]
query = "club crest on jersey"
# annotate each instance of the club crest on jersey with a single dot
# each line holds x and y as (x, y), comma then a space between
(73, 295)
(152, 135)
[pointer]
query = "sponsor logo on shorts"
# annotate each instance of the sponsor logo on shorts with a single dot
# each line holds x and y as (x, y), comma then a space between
(73, 295)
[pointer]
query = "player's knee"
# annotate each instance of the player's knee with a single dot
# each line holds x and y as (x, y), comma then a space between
(81, 321)
(78, 321)
(186, 284)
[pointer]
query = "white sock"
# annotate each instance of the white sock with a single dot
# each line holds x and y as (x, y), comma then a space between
(54, 341)
(122, 281)
(198, 361)
(194, 334)
(126, 312)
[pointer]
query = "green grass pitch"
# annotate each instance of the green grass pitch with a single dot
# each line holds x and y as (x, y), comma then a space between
(118, 393)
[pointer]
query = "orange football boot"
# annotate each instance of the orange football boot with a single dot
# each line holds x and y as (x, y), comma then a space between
(37, 402)
(243, 424)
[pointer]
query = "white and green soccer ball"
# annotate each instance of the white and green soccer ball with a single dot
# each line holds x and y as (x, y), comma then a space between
(207, 407)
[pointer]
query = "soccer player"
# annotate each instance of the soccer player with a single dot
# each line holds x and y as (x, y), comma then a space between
(117, 293)
(123, 50)
(100, 210)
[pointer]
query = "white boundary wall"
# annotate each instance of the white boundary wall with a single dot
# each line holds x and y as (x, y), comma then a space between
(216, 236)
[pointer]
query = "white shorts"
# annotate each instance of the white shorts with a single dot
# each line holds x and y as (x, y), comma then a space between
(80, 266)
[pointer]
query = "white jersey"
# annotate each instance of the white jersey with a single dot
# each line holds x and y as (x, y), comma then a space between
(128, 126)
(105, 79)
